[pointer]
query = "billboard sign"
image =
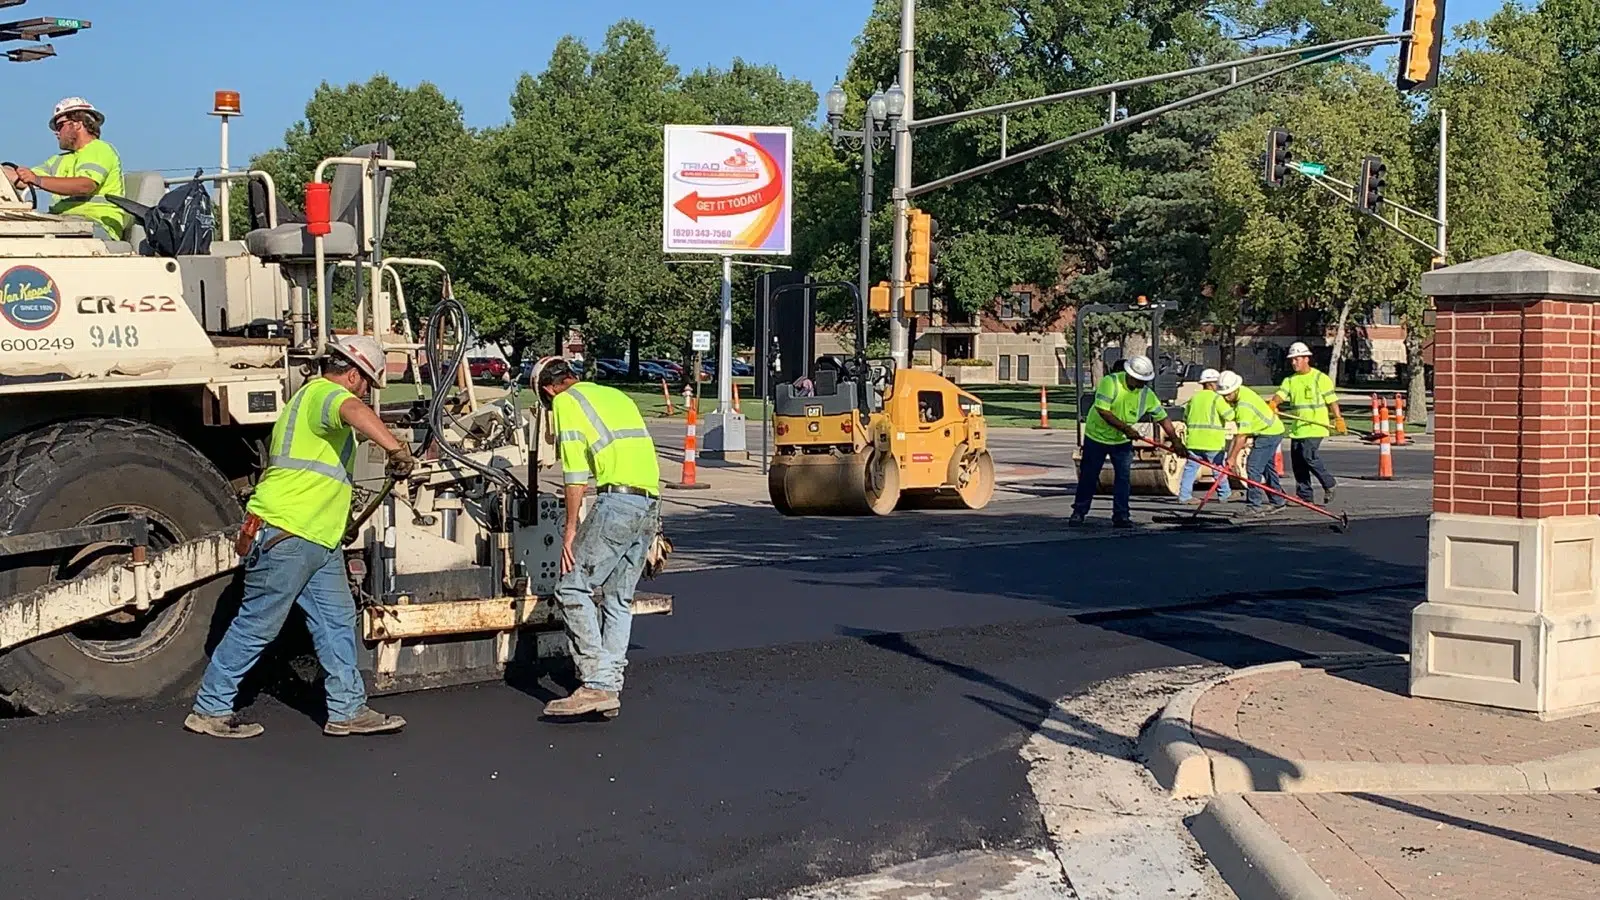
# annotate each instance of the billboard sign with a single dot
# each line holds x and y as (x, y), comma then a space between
(727, 190)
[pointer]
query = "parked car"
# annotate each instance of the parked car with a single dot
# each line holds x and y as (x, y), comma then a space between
(526, 376)
(482, 368)
(674, 369)
(655, 371)
(742, 368)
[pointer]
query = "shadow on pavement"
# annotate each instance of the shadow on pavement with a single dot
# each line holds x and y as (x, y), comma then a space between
(1443, 818)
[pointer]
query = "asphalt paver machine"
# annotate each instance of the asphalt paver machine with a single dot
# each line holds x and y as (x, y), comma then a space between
(137, 396)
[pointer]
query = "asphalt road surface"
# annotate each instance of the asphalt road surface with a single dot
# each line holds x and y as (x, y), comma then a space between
(803, 716)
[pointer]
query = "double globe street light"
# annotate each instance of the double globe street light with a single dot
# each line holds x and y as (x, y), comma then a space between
(883, 113)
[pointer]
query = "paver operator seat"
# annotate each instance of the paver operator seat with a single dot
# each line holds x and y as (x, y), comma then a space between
(292, 246)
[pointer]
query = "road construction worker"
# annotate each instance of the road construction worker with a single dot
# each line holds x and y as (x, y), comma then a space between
(1121, 399)
(600, 434)
(1205, 419)
(1256, 419)
(85, 171)
(1312, 412)
(292, 542)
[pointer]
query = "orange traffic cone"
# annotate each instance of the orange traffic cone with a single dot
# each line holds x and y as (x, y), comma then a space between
(667, 395)
(736, 400)
(1277, 459)
(1044, 411)
(1385, 460)
(1399, 419)
(689, 443)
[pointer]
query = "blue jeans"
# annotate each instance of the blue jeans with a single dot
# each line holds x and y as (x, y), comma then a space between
(608, 556)
(1094, 458)
(293, 571)
(1259, 468)
(1191, 471)
(1305, 458)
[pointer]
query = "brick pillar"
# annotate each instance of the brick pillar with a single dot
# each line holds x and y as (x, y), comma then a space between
(1512, 617)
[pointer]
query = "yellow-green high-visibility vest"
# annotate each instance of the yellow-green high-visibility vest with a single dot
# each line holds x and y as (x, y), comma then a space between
(1306, 396)
(1127, 402)
(306, 488)
(1255, 416)
(97, 161)
(1205, 420)
(600, 432)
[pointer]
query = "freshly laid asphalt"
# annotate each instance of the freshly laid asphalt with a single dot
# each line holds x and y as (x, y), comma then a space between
(794, 721)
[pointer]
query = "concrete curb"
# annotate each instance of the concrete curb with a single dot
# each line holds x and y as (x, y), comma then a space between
(1168, 745)
(1185, 769)
(1250, 856)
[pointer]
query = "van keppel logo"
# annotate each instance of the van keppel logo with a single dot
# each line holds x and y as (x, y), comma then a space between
(29, 299)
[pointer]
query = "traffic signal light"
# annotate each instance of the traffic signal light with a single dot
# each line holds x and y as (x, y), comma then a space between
(878, 298)
(921, 265)
(1369, 186)
(1276, 160)
(1419, 54)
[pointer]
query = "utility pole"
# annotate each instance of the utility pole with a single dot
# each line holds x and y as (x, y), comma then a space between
(1440, 226)
(898, 332)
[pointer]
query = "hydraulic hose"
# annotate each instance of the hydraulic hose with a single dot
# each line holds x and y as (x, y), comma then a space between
(450, 313)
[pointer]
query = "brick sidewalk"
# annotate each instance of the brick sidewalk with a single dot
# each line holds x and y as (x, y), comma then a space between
(1364, 715)
(1451, 847)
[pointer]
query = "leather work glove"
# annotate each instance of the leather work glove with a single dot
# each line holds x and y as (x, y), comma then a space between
(1339, 427)
(401, 462)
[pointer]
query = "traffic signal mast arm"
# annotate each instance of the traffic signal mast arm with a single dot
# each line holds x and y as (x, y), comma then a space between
(1307, 56)
(1349, 193)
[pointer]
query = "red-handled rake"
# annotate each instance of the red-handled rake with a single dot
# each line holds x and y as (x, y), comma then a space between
(1342, 519)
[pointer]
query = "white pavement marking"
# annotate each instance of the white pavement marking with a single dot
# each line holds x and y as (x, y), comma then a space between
(973, 875)
(1116, 833)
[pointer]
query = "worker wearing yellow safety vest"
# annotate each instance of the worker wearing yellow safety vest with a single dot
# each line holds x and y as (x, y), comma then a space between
(600, 434)
(1205, 420)
(292, 543)
(1121, 399)
(84, 173)
(1311, 403)
(1256, 419)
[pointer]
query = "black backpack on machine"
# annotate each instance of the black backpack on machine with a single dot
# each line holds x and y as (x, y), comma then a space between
(182, 224)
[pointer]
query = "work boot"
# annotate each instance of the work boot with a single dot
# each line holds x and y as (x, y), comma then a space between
(221, 726)
(584, 700)
(1075, 521)
(1253, 512)
(1327, 496)
(366, 721)
(1121, 523)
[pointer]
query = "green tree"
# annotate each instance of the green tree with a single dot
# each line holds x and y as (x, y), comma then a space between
(1299, 247)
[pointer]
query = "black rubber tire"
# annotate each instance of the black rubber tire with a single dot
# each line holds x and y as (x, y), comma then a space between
(56, 476)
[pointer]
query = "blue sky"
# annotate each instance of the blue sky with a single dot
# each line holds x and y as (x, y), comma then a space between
(152, 66)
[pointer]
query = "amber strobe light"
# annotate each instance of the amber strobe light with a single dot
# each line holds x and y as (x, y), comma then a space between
(225, 103)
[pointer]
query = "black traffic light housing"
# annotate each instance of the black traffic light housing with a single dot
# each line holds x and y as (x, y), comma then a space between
(1419, 54)
(1275, 161)
(1370, 184)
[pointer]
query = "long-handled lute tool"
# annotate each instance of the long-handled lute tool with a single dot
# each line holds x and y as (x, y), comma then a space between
(1343, 519)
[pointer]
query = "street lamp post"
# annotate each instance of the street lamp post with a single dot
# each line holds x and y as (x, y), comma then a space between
(882, 109)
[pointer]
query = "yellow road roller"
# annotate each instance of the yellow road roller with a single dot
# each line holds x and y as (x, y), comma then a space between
(859, 439)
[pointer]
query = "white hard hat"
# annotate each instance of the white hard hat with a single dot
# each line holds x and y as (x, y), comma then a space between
(365, 353)
(1298, 349)
(75, 104)
(1139, 368)
(1228, 381)
(1209, 376)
